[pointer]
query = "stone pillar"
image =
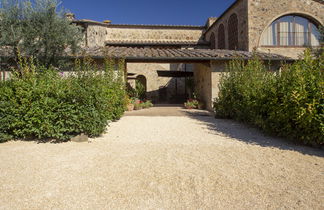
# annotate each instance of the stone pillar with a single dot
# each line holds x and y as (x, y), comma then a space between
(202, 81)
(217, 68)
(207, 78)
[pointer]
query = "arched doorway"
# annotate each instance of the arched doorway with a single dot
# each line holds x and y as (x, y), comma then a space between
(141, 86)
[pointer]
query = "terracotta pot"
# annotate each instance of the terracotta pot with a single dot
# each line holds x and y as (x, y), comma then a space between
(138, 107)
(130, 107)
(188, 107)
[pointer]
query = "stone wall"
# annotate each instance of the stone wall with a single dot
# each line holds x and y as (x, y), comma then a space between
(240, 8)
(292, 52)
(97, 35)
(264, 12)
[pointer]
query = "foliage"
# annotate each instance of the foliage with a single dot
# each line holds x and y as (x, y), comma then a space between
(321, 30)
(147, 104)
(191, 104)
(131, 92)
(288, 103)
(140, 90)
(43, 104)
(11, 23)
(139, 104)
(37, 29)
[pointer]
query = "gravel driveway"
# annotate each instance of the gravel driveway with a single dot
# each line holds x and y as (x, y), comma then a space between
(179, 161)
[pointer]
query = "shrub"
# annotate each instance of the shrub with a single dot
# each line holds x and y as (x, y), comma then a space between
(42, 104)
(287, 103)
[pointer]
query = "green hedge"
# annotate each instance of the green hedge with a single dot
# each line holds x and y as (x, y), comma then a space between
(287, 103)
(42, 104)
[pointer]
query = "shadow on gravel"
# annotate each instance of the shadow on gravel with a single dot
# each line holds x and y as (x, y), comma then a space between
(43, 141)
(50, 141)
(250, 135)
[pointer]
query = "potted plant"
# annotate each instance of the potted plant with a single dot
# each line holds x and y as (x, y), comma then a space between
(191, 104)
(130, 107)
(130, 104)
(147, 104)
(138, 106)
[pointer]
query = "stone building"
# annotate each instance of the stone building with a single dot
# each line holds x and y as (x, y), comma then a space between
(283, 27)
(168, 59)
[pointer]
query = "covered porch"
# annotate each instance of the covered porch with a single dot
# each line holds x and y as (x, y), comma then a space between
(157, 66)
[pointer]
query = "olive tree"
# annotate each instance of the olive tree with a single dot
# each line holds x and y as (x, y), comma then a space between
(12, 24)
(37, 29)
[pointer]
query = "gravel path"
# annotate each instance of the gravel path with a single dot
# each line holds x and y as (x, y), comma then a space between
(174, 162)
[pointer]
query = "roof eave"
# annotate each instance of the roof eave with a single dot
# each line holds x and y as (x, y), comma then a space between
(156, 44)
(92, 22)
(178, 59)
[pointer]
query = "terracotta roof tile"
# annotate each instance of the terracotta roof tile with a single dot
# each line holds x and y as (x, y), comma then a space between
(122, 42)
(133, 53)
(138, 25)
(159, 54)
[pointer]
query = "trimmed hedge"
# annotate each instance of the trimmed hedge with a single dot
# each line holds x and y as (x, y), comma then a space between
(289, 103)
(42, 104)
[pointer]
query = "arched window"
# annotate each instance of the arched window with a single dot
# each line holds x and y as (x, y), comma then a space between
(212, 41)
(291, 30)
(221, 37)
(233, 32)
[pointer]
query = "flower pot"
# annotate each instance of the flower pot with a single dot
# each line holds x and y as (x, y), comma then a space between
(188, 107)
(138, 107)
(130, 107)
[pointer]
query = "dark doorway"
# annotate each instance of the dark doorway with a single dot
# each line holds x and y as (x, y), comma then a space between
(176, 90)
(141, 86)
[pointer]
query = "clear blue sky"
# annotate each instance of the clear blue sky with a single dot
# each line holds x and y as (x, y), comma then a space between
(173, 12)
